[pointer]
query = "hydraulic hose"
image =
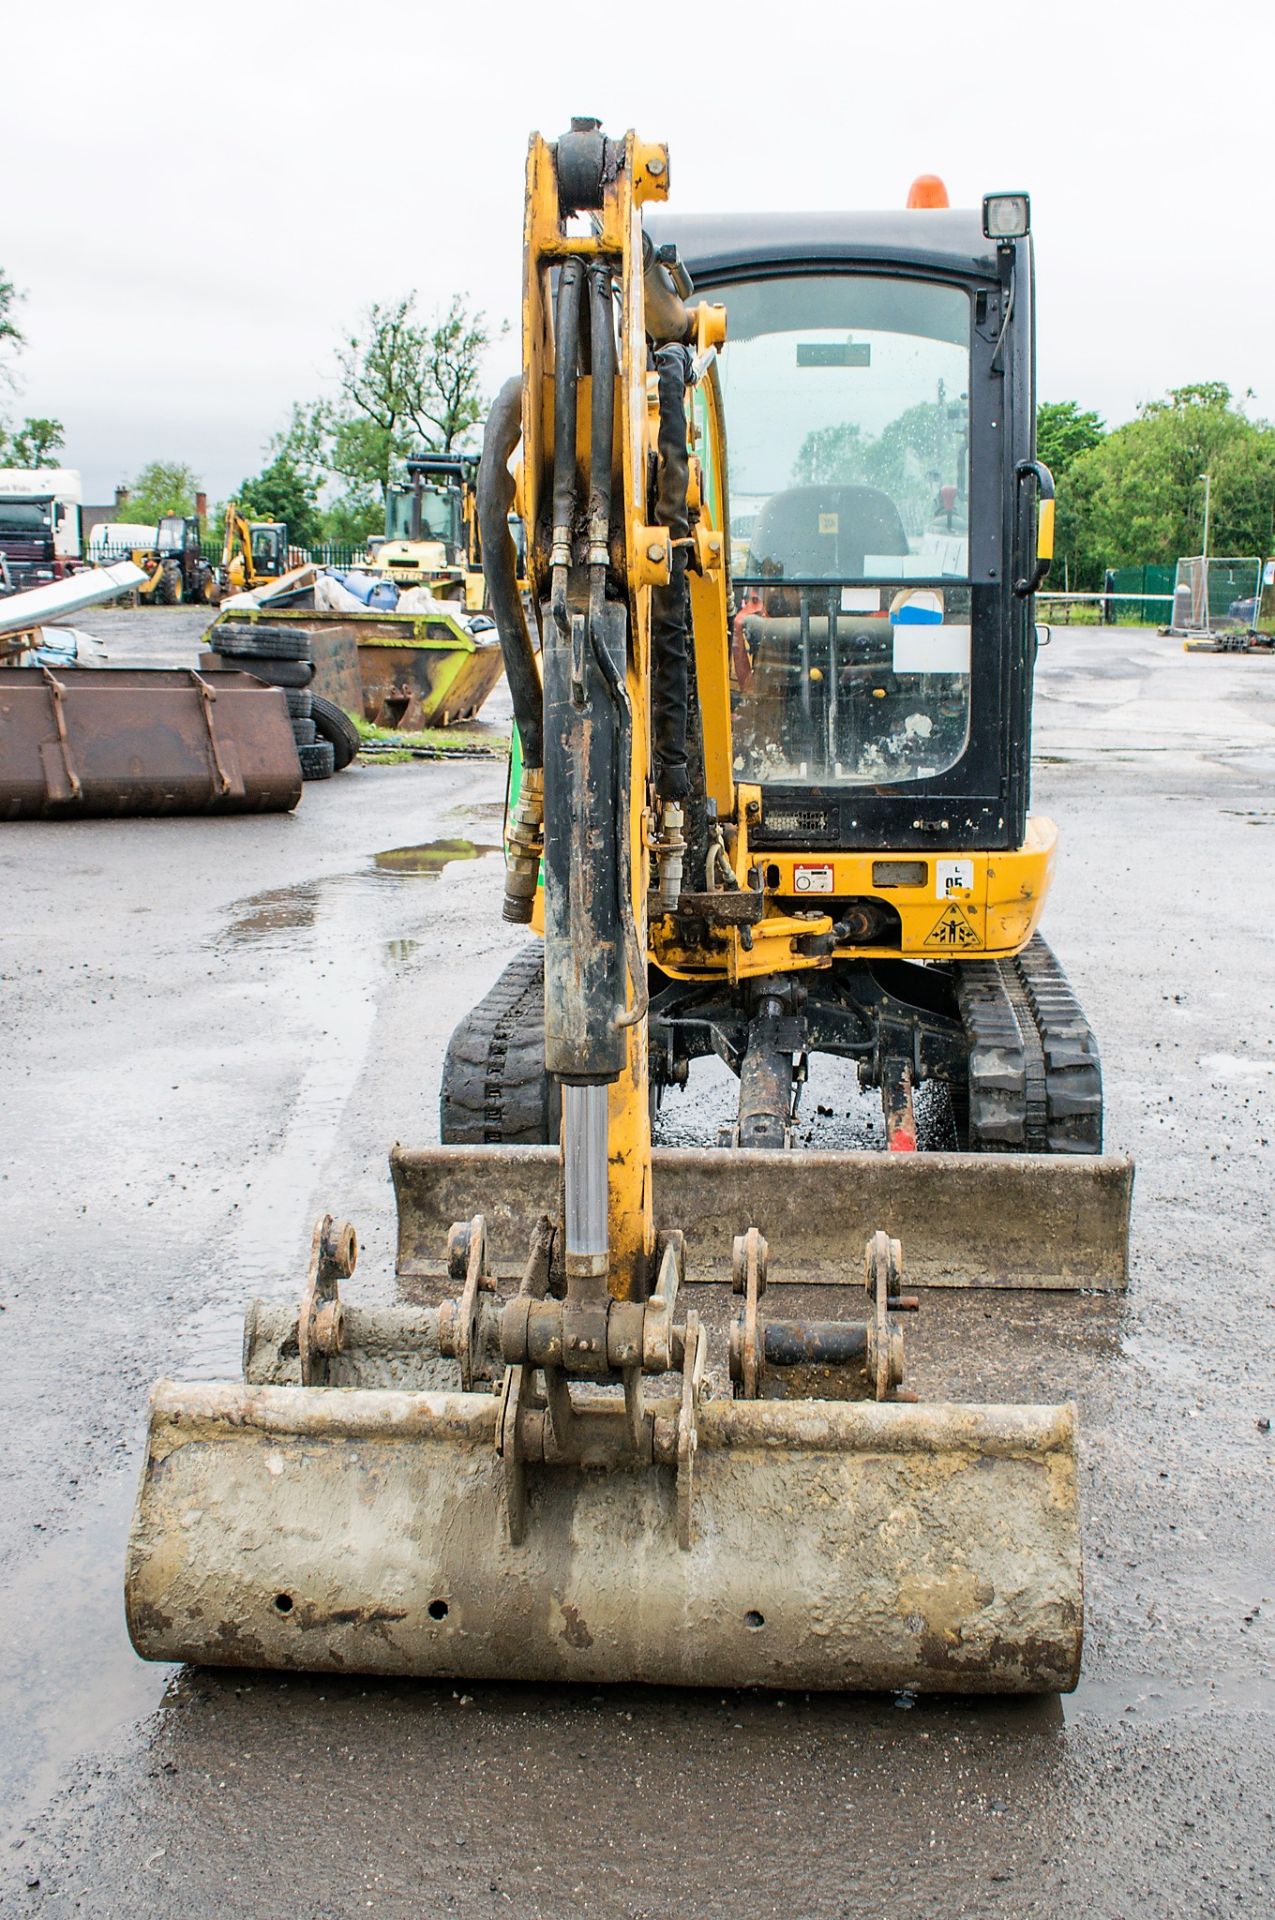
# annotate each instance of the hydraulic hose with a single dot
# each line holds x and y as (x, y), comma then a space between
(565, 394)
(670, 618)
(602, 422)
(601, 437)
(500, 565)
(634, 952)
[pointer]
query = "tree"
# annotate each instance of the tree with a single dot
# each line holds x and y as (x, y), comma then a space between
(1065, 430)
(12, 339)
(380, 386)
(160, 488)
(831, 456)
(404, 384)
(324, 446)
(33, 443)
(1141, 494)
(450, 400)
(415, 381)
(281, 491)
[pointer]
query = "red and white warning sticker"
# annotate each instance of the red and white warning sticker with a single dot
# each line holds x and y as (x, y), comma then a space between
(812, 879)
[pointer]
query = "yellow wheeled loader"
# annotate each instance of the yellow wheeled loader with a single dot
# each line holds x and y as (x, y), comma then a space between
(760, 816)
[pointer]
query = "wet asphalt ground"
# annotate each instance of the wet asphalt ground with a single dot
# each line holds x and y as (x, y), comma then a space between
(209, 1031)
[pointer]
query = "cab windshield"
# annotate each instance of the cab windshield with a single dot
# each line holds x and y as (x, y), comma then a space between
(847, 412)
(25, 516)
(437, 515)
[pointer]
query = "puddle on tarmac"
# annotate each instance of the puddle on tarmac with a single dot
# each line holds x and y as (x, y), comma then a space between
(401, 951)
(67, 1670)
(283, 910)
(431, 856)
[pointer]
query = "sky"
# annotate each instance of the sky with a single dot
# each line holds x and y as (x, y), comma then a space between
(208, 201)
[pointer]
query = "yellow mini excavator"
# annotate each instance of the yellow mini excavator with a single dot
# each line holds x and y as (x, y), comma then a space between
(254, 552)
(772, 801)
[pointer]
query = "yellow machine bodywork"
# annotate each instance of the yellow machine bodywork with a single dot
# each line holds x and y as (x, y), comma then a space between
(240, 572)
(482, 1485)
(419, 563)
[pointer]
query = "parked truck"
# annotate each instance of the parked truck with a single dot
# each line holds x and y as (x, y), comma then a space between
(41, 526)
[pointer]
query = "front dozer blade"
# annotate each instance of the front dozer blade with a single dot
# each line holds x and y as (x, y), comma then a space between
(966, 1219)
(835, 1545)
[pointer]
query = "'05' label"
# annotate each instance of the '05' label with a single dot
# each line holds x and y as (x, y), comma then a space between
(812, 879)
(953, 876)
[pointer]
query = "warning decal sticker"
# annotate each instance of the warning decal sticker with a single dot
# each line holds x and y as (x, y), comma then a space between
(953, 930)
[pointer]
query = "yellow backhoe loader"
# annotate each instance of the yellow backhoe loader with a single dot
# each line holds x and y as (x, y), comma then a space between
(763, 817)
(254, 552)
(432, 538)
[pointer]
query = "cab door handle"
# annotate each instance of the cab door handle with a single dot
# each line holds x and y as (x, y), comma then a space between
(1037, 470)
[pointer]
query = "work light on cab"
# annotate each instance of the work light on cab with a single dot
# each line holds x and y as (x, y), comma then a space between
(1006, 216)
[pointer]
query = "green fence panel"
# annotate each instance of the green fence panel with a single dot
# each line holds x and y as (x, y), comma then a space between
(1149, 578)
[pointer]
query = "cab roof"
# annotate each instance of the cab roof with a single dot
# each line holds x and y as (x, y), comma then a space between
(722, 246)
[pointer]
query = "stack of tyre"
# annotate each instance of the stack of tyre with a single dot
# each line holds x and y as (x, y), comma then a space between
(327, 739)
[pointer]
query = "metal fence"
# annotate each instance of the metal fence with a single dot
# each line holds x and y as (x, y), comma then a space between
(1216, 595)
(332, 553)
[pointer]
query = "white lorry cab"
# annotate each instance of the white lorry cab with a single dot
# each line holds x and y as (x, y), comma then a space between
(41, 525)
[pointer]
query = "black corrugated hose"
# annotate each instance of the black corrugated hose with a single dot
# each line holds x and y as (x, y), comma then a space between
(500, 566)
(670, 607)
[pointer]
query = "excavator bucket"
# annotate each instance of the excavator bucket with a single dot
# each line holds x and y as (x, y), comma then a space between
(353, 1507)
(1056, 1221)
(75, 743)
(834, 1545)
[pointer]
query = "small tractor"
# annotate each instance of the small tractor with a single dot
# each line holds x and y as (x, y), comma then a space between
(175, 566)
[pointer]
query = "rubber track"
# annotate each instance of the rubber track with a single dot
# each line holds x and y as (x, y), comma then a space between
(1035, 1078)
(495, 1090)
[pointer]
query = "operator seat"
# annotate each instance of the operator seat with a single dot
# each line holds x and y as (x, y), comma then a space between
(814, 532)
(823, 532)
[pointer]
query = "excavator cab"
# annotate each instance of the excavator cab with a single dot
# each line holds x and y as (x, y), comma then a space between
(879, 390)
(253, 552)
(269, 549)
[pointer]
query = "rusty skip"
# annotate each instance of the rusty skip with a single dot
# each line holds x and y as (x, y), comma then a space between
(142, 740)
